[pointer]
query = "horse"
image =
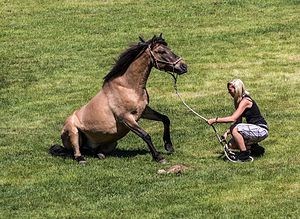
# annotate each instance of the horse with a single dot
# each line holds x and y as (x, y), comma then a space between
(122, 101)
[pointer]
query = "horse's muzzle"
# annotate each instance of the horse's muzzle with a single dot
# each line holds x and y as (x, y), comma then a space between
(181, 68)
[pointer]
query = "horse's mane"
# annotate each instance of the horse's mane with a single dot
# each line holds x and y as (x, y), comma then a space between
(129, 55)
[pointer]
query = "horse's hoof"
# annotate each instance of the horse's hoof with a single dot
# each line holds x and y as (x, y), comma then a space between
(169, 148)
(81, 160)
(101, 156)
(163, 161)
(159, 158)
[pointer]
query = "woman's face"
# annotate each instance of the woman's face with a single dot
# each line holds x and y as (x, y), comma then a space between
(231, 90)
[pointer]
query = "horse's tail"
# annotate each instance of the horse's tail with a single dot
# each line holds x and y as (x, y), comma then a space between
(58, 150)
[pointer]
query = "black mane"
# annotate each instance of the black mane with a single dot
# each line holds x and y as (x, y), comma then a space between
(129, 55)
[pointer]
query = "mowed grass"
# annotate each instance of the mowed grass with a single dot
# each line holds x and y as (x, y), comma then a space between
(53, 56)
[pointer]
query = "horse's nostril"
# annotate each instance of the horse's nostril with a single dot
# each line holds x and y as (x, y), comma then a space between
(183, 67)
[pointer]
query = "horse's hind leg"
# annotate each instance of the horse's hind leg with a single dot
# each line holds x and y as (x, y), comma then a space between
(154, 115)
(71, 139)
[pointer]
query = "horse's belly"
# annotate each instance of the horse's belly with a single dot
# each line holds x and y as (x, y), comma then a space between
(98, 138)
(103, 148)
(103, 143)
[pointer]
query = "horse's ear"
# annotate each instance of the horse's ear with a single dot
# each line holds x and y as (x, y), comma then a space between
(153, 38)
(152, 42)
(160, 35)
(141, 39)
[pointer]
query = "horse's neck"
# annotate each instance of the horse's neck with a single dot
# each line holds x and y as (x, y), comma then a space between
(138, 72)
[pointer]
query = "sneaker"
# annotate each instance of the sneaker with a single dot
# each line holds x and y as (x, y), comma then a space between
(256, 150)
(243, 156)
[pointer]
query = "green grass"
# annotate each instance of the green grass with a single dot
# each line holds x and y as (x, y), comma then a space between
(53, 56)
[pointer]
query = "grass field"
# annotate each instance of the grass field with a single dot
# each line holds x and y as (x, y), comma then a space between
(53, 56)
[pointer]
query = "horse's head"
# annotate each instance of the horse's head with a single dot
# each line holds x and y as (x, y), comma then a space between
(163, 58)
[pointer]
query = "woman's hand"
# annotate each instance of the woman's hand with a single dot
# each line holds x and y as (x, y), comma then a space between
(225, 135)
(212, 121)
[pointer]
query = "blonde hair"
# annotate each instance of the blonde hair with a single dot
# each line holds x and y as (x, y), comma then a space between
(239, 91)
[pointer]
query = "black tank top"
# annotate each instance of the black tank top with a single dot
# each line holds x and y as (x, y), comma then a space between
(253, 115)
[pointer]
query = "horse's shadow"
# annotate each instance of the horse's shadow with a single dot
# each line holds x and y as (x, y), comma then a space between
(57, 150)
(122, 153)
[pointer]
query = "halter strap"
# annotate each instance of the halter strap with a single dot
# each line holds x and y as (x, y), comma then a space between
(162, 61)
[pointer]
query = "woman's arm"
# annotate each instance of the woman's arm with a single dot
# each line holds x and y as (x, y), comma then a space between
(245, 103)
(227, 132)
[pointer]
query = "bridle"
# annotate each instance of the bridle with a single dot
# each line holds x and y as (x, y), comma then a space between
(156, 61)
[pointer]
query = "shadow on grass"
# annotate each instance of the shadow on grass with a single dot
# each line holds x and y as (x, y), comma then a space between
(59, 151)
(128, 153)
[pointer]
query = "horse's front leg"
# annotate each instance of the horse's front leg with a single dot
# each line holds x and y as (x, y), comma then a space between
(154, 115)
(130, 122)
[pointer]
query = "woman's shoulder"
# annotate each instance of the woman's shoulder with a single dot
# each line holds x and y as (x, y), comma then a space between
(247, 101)
(247, 97)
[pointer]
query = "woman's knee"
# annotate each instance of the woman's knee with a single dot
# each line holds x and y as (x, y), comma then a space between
(234, 130)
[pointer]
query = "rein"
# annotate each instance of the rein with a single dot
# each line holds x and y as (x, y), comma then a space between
(174, 75)
(227, 152)
(177, 93)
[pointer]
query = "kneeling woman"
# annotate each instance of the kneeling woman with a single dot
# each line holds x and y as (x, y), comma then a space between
(245, 136)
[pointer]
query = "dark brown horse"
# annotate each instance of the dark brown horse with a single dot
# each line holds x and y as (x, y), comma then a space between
(123, 100)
